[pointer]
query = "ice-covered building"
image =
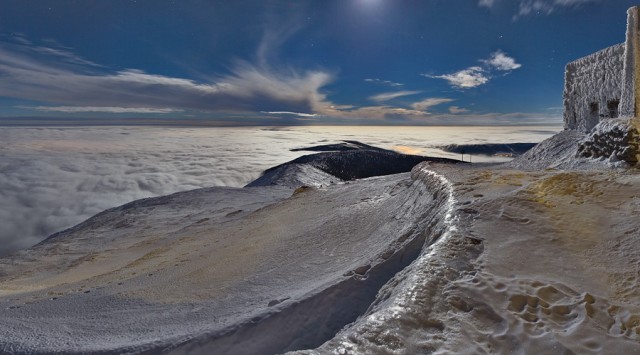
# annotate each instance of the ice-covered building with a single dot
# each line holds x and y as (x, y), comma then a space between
(604, 84)
(602, 97)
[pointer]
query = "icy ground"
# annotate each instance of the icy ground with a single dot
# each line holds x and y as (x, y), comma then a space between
(537, 256)
(216, 268)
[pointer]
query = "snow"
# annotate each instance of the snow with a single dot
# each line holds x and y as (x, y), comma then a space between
(534, 256)
(207, 264)
(529, 262)
(322, 256)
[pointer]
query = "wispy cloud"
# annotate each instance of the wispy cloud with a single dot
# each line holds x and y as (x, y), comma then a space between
(425, 104)
(383, 82)
(529, 7)
(456, 116)
(464, 79)
(546, 7)
(74, 109)
(287, 113)
(486, 3)
(415, 112)
(372, 113)
(476, 76)
(392, 95)
(500, 61)
(457, 110)
(64, 79)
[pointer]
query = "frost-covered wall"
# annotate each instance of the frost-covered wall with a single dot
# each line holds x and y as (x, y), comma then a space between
(631, 79)
(593, 88)
(605, 84)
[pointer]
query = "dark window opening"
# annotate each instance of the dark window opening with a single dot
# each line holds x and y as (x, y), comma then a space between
(612, 107)
(593, 108)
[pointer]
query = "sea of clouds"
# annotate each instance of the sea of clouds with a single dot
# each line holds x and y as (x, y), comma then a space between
(51, 179)
(54, 178)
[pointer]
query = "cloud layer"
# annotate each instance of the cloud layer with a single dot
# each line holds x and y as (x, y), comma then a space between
(54, 178)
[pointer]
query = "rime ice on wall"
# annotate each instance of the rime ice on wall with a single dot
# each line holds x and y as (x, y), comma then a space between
(605, 84)
(630, 76)
(602, 87)
(593, 88)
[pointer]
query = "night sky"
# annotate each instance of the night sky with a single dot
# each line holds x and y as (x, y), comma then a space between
(297, 62)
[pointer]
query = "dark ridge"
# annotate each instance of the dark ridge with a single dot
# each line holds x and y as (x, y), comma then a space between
(359, 164)
(489, 149)
(340, 147)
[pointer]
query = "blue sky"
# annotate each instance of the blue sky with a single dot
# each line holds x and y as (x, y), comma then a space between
(409, 62)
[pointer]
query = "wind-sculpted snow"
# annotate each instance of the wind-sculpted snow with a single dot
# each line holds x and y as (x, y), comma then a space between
(401, 319)
(524, 262)
(250, 270)
(535, 256)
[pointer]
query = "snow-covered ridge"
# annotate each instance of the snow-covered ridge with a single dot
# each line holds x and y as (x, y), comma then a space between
(218, 268)
(409, 297)
(342, 162)
(320, 315)
(489, 148)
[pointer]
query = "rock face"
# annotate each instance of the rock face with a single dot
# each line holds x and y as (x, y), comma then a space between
(357, 161)
(613, 139)
(489, 148)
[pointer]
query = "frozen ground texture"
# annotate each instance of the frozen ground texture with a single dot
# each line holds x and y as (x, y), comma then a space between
(538, 262)
(538, 256)
(216, 268)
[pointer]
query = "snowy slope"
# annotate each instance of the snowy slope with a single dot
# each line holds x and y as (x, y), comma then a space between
(209, 263)
(452, 258)
(527, 262)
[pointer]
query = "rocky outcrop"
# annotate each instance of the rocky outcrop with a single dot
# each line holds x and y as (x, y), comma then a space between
(616, 140)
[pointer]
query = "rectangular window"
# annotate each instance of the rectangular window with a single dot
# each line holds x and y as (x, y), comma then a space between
(612, 107)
